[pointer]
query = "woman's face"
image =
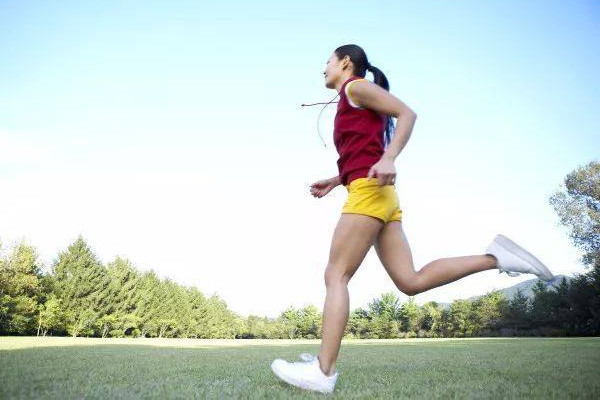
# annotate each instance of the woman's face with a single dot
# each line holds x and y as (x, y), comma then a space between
(333, 70)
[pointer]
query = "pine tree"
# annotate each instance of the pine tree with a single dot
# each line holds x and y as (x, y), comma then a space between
(20, 290)
(518, 311)
(542, 310)
(82, 286)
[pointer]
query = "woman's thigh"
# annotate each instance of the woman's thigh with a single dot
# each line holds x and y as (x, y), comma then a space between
(394, 252)
(353, 236)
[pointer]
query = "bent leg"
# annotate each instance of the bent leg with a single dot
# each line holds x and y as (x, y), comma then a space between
(394, 252)
(352, 238)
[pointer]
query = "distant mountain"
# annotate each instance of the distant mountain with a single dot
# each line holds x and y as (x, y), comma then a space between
(525, 286)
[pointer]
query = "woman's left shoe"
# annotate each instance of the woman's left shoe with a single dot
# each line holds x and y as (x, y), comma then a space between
(514, 260)
(305, 374)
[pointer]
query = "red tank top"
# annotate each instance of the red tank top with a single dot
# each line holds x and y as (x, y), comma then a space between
(358, 137)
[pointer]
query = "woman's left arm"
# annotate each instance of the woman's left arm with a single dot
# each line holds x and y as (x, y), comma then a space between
(369, 95)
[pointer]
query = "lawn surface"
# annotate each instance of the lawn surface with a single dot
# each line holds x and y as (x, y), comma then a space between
(473, 368)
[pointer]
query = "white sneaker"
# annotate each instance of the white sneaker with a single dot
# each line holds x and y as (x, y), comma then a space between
(515, 260)
(305, 374)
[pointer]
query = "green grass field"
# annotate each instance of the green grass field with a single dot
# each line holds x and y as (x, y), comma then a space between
(65, 368)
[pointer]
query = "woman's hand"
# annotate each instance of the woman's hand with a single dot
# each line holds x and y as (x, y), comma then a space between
(322, 187)
(384, 170)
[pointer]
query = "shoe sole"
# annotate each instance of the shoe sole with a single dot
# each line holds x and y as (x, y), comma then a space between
(294, 382)
(524, 255)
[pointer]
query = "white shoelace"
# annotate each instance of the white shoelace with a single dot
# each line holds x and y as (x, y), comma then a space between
(307, 356)
(511, 273)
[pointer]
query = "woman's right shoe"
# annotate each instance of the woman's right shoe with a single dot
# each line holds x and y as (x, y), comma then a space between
(307, 356)
(515, 260)
(305, 374)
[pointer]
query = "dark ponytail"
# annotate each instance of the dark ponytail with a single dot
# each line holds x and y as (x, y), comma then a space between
(361, 66)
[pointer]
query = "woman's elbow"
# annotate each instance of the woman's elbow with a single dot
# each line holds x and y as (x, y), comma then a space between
(407, 112)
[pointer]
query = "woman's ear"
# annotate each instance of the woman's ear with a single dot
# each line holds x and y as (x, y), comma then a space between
(346, 62)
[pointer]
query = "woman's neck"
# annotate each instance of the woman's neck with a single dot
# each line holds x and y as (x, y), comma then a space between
(343, 79)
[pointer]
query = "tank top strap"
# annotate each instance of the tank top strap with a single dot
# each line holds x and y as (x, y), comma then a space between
(345, 90)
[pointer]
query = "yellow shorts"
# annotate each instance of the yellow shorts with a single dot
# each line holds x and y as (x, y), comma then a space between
(366, 197)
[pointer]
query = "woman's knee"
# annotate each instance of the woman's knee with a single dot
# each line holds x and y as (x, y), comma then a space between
(337, 275)
(411, 290)
(409, 287)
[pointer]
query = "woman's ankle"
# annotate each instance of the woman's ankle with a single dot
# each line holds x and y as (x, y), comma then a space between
(327, 371)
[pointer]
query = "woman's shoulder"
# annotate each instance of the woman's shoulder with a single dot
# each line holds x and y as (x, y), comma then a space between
(352, 84)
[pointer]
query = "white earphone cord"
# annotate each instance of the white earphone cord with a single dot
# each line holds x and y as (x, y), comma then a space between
(319, 117)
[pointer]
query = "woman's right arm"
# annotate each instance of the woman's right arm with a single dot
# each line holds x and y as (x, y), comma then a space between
(336, 180)
(322, 187)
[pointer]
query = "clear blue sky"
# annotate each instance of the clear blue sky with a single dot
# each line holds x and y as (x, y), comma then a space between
(101, 98)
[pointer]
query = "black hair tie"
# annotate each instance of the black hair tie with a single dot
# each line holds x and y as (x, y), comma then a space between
(369, 66)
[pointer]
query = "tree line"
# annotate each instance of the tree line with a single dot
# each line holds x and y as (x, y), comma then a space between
(82, 297)
(79, 296)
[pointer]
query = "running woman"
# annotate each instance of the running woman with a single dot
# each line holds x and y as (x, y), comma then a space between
(372, 215)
